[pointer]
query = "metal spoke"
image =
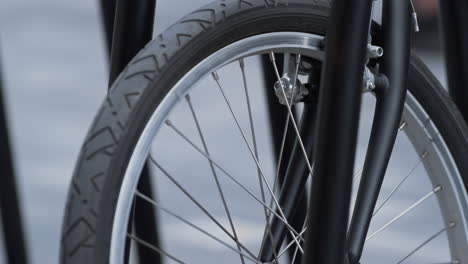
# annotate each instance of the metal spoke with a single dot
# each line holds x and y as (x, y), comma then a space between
(215, 176)
(157, 205)
(359, 172)
(304, 228)
(423, 156)
(293, 121)
(178, 185)
(157, 250)
(280, 156)
(402, 126)
(216, 78)
(275, 182)
(291, 243)
(283, 141)
(294, 255)
(254, 140)
(250, 192)
(450, 225)
(434, 191)
(252, 129)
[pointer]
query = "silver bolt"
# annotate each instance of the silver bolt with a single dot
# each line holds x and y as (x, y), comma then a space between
(374, 51)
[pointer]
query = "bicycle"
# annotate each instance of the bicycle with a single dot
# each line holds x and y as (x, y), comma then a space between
(176, 106)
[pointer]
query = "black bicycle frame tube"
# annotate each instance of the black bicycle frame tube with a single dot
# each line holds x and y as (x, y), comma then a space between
(396, 26)
(455, 41)
(12, 222)
(107, 8)
(337, 125)
(132, 30)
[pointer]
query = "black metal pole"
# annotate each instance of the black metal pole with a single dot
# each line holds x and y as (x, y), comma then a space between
(337, 125)
(396, 24)
(12, 221)
(132, 30)
(455, 40)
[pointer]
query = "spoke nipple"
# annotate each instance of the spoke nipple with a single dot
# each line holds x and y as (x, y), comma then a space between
(452, 224)
(169, 123)
(298, 59)
(272, 56)
(414, 17)
(402, 125)
(187, 97)
(437, 188)
(424, 154)
(215, 75)
(241, 63)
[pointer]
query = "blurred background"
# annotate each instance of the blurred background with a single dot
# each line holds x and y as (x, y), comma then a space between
(54, 67)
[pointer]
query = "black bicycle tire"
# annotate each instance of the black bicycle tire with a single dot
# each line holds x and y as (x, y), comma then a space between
(151, 74)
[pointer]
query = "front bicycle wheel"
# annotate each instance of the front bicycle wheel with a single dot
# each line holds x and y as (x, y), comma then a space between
(192, 104)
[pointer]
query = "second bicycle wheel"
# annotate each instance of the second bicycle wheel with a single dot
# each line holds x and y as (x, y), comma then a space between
(193, 106)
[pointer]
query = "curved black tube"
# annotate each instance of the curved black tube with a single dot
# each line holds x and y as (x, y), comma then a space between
(390, 100)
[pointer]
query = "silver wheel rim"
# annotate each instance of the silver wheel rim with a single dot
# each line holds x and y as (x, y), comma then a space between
(423, 135)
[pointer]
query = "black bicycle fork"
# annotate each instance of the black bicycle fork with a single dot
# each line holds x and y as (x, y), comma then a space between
(327, 241)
